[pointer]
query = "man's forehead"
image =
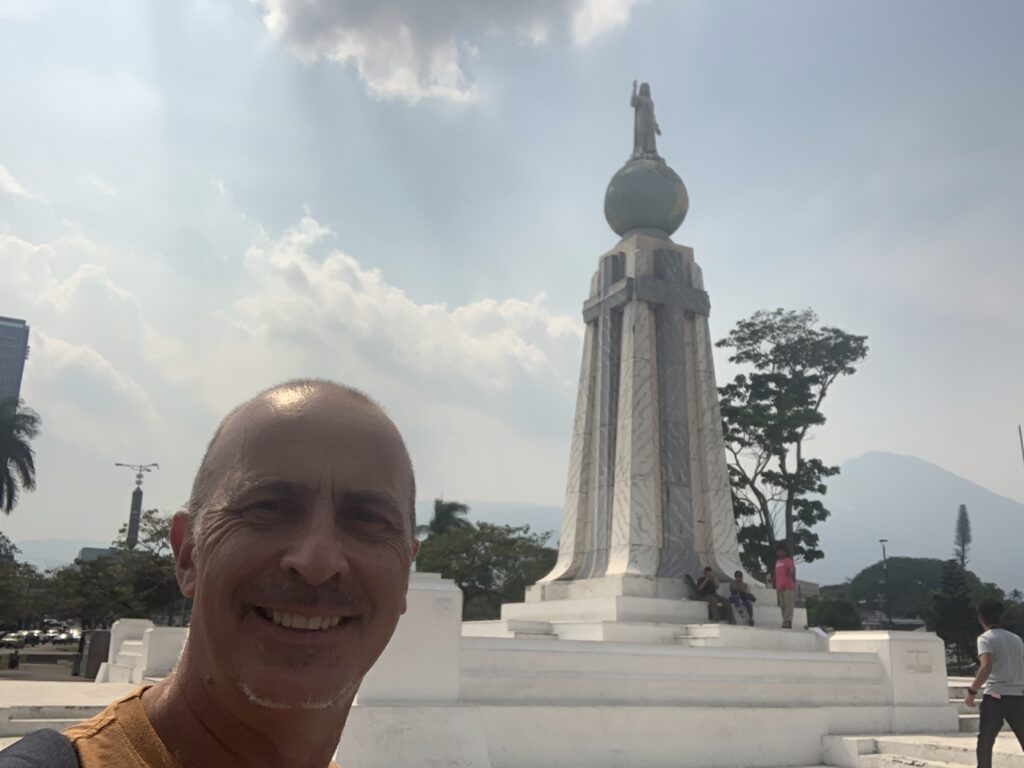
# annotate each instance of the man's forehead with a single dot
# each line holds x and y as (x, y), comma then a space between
(296, 414)
(261, 429)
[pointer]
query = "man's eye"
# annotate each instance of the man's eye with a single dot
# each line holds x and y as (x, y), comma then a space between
(267, 505)
(368, 516)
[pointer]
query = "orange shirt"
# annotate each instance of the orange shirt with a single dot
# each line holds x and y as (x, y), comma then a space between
(121, 736)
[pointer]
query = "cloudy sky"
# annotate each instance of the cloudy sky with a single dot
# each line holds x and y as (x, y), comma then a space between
(204, 197)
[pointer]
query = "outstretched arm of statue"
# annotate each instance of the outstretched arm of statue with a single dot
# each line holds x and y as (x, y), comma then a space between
(657, 129)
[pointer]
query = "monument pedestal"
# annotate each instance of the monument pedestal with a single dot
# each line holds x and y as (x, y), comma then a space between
(697, 696)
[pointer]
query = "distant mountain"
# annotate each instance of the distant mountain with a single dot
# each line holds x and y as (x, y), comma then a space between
(52, 553)
(904, 499)
(914, 505)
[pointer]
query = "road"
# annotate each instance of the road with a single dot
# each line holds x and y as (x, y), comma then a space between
(58, 670)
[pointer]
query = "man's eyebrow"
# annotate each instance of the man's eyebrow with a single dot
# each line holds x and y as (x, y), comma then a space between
(273, 486)
(370, 496)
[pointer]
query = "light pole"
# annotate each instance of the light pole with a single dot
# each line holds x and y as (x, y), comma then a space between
(885, 578)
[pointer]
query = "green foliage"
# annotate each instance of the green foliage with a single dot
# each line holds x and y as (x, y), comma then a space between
(833, 612)
(911, 582)
(18, 426)
(491, 564)
(954, 618)
(127, 583)
(8, 549)
(767, 414)
(447, 515)
(20, 585)
(962, 542)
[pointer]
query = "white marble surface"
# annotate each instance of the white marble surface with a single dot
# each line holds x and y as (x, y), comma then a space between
(915, 662)
(575, 517)
(648, 487)
(421, 663)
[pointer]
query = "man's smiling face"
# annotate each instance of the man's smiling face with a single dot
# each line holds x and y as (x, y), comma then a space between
(305, 549)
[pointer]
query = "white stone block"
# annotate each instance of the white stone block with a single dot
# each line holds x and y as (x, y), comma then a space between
(915, 662)
(161, 649)
(126, 629)
(403, 737)
(421, 663)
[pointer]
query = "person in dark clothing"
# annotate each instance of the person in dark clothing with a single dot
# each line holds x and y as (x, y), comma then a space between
(707, 588)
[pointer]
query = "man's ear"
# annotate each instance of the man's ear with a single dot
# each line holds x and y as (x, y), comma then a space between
(183, 545)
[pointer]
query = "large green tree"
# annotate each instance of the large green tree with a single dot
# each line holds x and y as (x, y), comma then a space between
(768, 412)
(833, 612)
(19, 425)
(911, 583)
(128, 582)
(491, 564)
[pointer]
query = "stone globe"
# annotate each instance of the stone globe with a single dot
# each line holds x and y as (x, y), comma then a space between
(645, 194)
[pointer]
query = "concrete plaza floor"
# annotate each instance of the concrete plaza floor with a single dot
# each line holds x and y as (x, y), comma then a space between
(20, 697)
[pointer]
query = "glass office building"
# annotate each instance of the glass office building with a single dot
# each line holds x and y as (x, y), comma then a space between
(13, 352)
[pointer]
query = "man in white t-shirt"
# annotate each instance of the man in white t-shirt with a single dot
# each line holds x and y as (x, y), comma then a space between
(1000, 678)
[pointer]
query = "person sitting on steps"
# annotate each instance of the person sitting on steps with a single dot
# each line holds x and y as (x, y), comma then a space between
(740, 596)
(707, 589)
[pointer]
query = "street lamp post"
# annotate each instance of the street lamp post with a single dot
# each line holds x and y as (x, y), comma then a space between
(885, 577)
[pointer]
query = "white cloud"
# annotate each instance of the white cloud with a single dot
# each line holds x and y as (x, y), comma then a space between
(87, 399)
(22, 9)
(334, 300)
(10, 185)
(102, 186)
(593, 18)
(414, 50)
(223, 193)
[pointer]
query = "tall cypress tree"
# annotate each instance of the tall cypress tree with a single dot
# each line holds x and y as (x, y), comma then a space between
(955, 622)
(962, 542)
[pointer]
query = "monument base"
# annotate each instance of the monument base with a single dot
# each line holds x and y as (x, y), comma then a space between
(620, 607)
(646, 694)
(696, 635)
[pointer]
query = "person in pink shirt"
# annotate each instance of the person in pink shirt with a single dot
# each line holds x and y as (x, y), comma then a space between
(785, 584)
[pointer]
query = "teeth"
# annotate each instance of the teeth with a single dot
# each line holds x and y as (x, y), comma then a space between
(295, 621)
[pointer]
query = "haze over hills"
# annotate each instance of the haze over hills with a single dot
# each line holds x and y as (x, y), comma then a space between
(878, 495)
(914, 505)
(904, 499)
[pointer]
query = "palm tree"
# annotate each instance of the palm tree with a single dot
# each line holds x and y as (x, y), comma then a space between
(18, 425)
(448, 515)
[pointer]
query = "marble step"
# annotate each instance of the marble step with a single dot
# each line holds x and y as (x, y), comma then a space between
(532, 671)
(970, 722)
(17, 721)
(942, 751)
(899, 761)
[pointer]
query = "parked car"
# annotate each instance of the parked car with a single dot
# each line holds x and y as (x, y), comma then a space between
(12, 640)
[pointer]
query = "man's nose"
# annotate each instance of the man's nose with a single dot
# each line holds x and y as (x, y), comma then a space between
(317, 551)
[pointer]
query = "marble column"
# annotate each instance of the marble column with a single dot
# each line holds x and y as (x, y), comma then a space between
(647, 497)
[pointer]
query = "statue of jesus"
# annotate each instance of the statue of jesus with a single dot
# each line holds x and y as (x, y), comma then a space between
(644, 125)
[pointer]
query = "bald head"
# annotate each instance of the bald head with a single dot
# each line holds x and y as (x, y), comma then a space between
(310, 408)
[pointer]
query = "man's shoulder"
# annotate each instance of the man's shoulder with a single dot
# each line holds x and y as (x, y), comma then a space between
(111, 733)
(997, 637)
(94, 725)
